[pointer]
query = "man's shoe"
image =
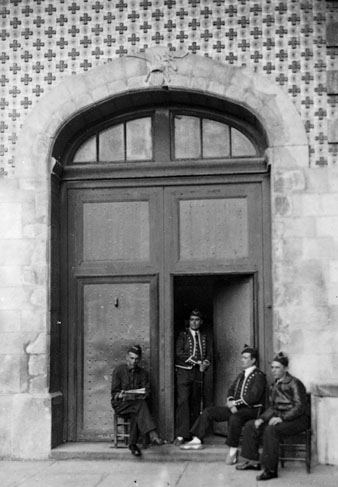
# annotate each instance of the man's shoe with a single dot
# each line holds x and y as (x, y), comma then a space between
(267, 475)
(249, 466)
(178, 441)
(194, 444)
(157, 441)
(231, 459)
(135, 450)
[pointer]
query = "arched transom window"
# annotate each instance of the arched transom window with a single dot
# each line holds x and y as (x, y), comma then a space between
(177, 135)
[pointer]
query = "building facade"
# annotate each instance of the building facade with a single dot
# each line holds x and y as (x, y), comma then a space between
(158, 156)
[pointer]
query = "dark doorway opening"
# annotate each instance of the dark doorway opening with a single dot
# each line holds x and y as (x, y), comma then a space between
(228, 304)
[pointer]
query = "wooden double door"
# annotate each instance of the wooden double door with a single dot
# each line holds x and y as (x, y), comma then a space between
(135, 260)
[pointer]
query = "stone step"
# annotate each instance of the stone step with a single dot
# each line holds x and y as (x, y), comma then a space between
(164, 453)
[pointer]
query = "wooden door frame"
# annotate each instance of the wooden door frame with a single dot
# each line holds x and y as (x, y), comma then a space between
(165, 301)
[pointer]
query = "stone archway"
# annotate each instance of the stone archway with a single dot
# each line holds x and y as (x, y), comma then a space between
(277, 114)
(284, 129)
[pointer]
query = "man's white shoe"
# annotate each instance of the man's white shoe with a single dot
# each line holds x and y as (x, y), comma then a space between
(231, 459)
(194, 444)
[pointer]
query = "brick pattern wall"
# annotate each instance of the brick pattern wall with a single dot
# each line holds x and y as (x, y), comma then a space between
(42, 42)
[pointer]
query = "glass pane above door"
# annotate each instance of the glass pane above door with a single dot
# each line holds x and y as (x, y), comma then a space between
(153, 138)
(187, 137)
(139, 140)
(216, 139)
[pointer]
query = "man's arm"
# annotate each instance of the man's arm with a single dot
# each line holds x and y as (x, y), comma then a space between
(206, 362)
(116, 385)
(299, 400)
(183, 352)
(145, 382)
(231, 395)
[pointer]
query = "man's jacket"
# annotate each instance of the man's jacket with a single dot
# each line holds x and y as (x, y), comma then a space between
(249, 391)
(124, 379)
(185, 349)
(287, 399)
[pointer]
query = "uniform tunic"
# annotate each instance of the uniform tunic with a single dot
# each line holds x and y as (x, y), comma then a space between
(248, 393)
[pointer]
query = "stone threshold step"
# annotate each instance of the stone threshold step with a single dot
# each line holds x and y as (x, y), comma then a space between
(164, 453)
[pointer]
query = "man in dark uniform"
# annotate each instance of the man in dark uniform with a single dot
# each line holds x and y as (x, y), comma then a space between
(287, 415)
(130, 388)
(244, 401)
(191, 361)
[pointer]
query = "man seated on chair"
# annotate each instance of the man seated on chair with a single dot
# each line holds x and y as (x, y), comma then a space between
(244, 400)
(130, 388)
(286, 415)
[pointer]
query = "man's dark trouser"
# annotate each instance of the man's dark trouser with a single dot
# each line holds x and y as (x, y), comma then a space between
(141, 420)
(188, 393)
(223, 413)
(271, 436)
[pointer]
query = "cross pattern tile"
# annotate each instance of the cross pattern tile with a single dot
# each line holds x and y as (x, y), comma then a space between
(284, 40)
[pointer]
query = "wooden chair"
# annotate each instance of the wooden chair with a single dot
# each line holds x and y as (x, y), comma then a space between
(121, 431)
(297, 448)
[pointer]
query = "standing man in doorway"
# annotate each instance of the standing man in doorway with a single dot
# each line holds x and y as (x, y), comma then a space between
(191, 362)
(244, 401)
(130, 388)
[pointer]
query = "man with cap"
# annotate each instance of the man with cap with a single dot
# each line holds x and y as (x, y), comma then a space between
(126, 378)
(191, 361)
(286, 415)
(246, 397)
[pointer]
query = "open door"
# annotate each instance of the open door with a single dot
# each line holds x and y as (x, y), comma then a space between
(234, 325)
(228, 304)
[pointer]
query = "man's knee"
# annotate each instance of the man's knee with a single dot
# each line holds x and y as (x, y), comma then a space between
(249, 427)
(141, 405)
(209, 413)
(271, 431)
(235, 421)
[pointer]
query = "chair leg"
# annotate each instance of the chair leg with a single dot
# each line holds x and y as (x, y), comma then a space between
(115, 431)
(308, 452)
(281, 453)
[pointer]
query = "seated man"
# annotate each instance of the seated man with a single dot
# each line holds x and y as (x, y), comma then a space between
(129, 390)
(245, 396)
(287, 415)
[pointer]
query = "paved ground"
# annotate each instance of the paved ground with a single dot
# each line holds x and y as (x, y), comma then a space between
(145, 473)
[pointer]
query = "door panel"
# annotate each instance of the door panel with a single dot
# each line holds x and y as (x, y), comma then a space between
(115, 228)
(116, 231)
(213, 226)
(115, 316)
(234, 326)
(115, 239)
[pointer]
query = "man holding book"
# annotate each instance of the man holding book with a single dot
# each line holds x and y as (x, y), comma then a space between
(130, 388)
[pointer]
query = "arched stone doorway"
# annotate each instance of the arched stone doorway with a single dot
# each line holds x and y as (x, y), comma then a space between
(119, 85)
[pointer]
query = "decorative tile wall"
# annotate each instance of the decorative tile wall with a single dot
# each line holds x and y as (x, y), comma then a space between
(44, 41)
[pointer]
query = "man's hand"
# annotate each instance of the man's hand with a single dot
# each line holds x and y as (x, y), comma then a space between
(121, 395)
(204, 365)
(258, 422)
(230, 403)
(275, 420)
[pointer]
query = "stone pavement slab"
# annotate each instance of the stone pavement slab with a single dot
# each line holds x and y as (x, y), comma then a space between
(143, 473)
